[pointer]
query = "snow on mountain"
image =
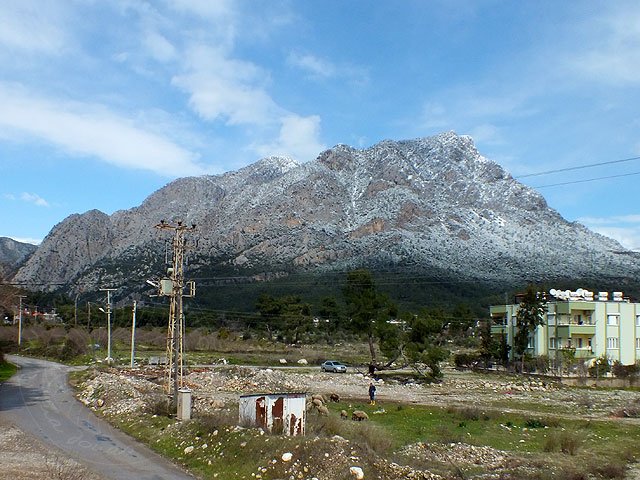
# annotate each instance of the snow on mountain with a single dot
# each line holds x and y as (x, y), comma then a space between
(430, 204)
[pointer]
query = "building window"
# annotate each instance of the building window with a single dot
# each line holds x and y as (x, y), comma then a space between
(579, 342)
(612, 342)
(552, 342)
(637, 320)
(530, 342)
(612, 319)
(551, 318)
(638, 343)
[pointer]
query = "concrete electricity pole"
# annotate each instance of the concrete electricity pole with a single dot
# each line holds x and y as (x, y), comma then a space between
(20, 320)
(173, 287)
(108, 312)
(133, 333)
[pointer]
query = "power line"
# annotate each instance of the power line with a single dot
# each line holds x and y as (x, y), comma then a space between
(579, 167)
(587, 180)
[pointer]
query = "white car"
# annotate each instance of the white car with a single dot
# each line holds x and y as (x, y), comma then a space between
(333, 366)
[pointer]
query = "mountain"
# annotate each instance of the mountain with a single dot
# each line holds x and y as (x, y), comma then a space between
(432, 207)
(12, 255)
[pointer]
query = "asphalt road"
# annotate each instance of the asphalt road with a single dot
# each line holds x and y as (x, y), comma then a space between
(39, 401)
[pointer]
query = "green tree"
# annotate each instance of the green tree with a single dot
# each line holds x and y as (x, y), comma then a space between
(529, 316)
(367, 308)
(462, 322)
(330, 315)
(285, 317)
(423, 348)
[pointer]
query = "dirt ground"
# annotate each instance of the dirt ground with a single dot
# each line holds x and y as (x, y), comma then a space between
(23, 457)
(116, 392)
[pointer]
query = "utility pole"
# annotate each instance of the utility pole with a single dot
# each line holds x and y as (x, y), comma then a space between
(108, 312)
(174, 288)
(75, 311)
(20, 320)
(133, 333)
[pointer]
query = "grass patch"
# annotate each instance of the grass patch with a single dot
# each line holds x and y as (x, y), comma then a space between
(7, 370)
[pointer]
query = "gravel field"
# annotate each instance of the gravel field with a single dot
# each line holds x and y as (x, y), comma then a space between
(125, 392)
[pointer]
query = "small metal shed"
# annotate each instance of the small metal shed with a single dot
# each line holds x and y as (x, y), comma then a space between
(278, 413)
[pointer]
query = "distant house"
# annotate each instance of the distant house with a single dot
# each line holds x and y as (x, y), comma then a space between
(593, 325)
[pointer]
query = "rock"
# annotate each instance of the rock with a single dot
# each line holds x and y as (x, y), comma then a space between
(286, 457)
(303, 361)
(189, 449)
(283, 361)
(357, 473)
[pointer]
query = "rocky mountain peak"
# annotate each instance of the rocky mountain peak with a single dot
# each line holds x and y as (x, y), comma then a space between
(432, 204)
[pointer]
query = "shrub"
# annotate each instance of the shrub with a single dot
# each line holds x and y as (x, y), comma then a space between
(565, 441)
(535, 423)
(631, 410)
(624, 371)
(218, 419)
(468, 413)
(444, 434)
(610, 470)
(466, 360)
(75, 344)
(569, 443)
(160, 405)
(542, 363)
(551, 444)
(372, 437)
(600, 367)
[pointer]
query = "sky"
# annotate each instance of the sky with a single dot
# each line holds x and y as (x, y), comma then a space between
(103, 103)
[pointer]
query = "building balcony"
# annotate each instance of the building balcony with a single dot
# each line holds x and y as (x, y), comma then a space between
(497, 329)
(568, 331)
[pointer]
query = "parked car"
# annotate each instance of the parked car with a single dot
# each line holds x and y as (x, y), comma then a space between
(333, 366)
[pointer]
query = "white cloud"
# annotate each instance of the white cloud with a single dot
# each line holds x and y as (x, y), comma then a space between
(616, 219)
(487, 133)
(628, 237)
(32, 26)
(623, 228)
(222, 87)
(34, 198)
(159, 47)
(33, 241)
(314, 65)
(299, 138)
(85, 129)
(610, 52)
(322, 68)
(216, 10)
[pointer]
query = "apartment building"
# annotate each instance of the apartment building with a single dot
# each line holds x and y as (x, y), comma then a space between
(592, 324)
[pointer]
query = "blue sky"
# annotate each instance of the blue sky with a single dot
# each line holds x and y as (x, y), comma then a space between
(102, 103)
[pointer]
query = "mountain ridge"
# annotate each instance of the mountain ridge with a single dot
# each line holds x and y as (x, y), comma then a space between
(429, 204)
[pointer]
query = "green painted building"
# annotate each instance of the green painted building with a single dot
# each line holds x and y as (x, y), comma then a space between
(593, 325)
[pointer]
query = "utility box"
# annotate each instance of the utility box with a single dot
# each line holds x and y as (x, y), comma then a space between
(277, 413)
(166, 287)
(184, 404)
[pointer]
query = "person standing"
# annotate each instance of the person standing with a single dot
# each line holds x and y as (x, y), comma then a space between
(372, 393)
